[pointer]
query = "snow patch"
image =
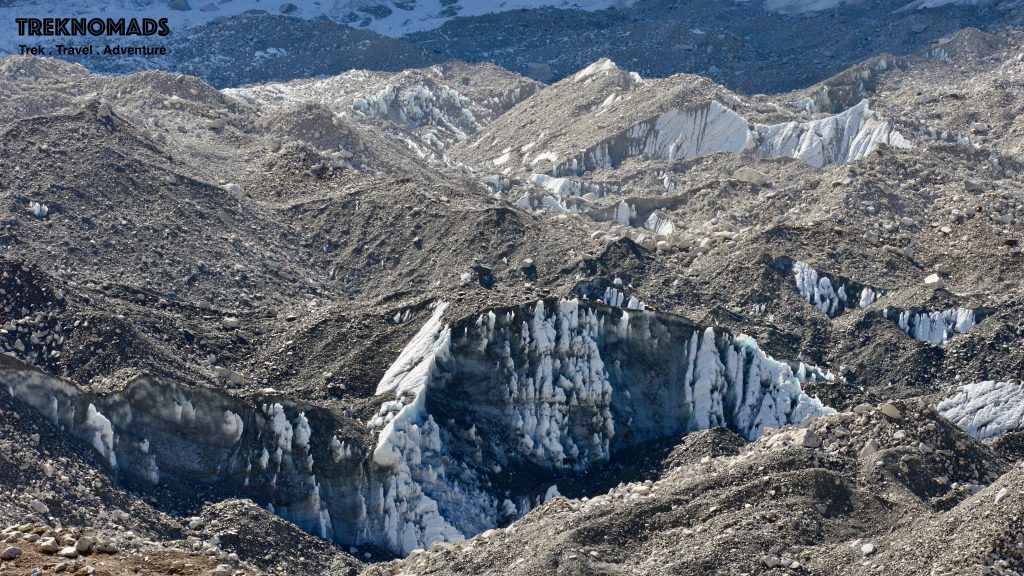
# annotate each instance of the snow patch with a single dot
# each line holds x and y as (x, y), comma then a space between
(602, 65)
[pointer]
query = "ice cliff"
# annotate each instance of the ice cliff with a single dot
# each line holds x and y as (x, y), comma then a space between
(832, 296)
(689, 133)
(938, 326)
(477, 418)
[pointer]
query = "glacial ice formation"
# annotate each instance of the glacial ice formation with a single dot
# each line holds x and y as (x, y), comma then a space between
(624, 213)
(585, 380)
(935, 327)
(838, 139)
(437, 114)
(659, 223)
(276, 452)
(986, 410)
(614, 293)
(561, 385)
(617, 298)
(568, 187)
(690, 133)
(421, 105)
(602, 65)
(831, 296)
(405, 373)
(542, 389)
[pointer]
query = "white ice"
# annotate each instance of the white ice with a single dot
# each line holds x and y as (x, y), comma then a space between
(986, 410)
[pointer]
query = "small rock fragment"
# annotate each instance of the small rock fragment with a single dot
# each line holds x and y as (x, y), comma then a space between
(68, 552)
(934, 281)
(870, 447)
(748, 174)
(85, 544)
(890, 411)
(38, 507)
(1001, 494)
(807, 438)
(48, 545)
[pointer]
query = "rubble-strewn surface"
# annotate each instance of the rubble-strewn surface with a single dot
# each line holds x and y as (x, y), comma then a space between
(454, 320)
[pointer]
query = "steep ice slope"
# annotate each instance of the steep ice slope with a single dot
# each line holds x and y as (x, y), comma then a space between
(593, 104)
(603, 116)
(987, 410)
(710, 128)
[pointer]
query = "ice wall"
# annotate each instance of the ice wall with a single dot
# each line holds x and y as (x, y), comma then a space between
(554, 387)
(614, 293)
(832, 296)
(568, 383)
(935, 327)
(711, 128)
(284, 455)
(421, 104)
(839, 139)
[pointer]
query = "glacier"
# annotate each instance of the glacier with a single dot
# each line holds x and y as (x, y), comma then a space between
(528, 393)
(385, 17)
(563, 383)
